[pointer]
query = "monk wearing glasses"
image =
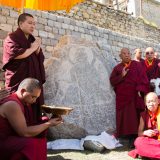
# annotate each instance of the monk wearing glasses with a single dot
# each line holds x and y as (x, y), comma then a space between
(151, 64)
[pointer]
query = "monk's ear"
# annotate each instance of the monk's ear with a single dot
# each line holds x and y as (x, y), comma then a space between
(23, 91)
(20, 23)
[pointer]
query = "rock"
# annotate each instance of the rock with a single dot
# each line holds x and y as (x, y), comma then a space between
(78, 77)
(93, 146)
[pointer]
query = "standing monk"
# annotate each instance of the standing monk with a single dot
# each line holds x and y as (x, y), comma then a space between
(156, 55)
(138, 55)
(23, 57)
(151, 64)
(130, 84)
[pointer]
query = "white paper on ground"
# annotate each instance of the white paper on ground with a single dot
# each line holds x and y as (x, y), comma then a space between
(107, 140)
(73, 144)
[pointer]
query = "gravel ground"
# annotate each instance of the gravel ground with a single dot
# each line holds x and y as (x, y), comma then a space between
(120, 153)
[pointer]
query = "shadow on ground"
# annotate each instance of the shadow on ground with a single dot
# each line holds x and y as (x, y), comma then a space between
(56, 158)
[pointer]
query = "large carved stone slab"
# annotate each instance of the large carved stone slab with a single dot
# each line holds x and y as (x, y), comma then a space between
(78, 76)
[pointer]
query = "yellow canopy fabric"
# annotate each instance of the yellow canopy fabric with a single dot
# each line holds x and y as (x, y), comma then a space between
(12, 3)
(41, 4)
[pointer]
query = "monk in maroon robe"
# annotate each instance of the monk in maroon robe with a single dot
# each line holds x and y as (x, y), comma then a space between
(19, 138)
(156, 55)
(148, 142)
(130, 84)
(138, 55)
(151, 64)
(23, 57)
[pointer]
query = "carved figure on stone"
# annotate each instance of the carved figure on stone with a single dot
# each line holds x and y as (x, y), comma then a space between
(78, 77)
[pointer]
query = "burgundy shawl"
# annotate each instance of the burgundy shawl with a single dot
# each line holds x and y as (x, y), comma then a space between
(128, 103)
(12, 145)
(18, 69)
(152, 71)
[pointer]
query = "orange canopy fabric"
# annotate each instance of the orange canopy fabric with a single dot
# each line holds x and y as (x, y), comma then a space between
(41, 4)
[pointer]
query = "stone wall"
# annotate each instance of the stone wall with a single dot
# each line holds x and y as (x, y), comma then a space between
(150, 10)
(108, 18)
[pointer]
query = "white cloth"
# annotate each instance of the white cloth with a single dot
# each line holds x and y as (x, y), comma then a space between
(73, 144)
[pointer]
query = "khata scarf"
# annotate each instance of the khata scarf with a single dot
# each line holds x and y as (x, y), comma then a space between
(155, 120)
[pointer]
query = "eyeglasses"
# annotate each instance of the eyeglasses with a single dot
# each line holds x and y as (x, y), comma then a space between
(147, 53)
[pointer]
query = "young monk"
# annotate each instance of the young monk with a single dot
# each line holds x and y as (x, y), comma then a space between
(20, 138)
(23, 57)
(148, 142)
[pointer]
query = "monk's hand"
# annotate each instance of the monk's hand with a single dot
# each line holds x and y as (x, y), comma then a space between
(149, 133)
(39, 41)
(35, 45)
(56, 121)
(124, 71)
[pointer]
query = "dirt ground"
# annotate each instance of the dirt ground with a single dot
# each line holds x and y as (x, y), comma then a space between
(120, 153)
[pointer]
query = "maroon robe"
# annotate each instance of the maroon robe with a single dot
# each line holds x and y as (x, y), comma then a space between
(152, 71)
(128, 103)
(141, 60)
(17, 70)
(12, 145)
(146, 146)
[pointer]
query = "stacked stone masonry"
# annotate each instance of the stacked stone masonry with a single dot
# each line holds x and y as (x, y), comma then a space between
(150, 8)
(118, 21)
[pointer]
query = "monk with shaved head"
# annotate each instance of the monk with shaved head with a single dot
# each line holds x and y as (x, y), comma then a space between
(130, 84)
(138, 55)
(20, 138)
(151, 64)
(148, 142)
(156, 55)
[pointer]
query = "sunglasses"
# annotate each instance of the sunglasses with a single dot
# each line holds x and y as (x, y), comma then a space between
(147, 53)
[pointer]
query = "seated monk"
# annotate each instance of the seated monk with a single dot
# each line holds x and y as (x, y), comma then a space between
(19, 137)
(148, 142)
